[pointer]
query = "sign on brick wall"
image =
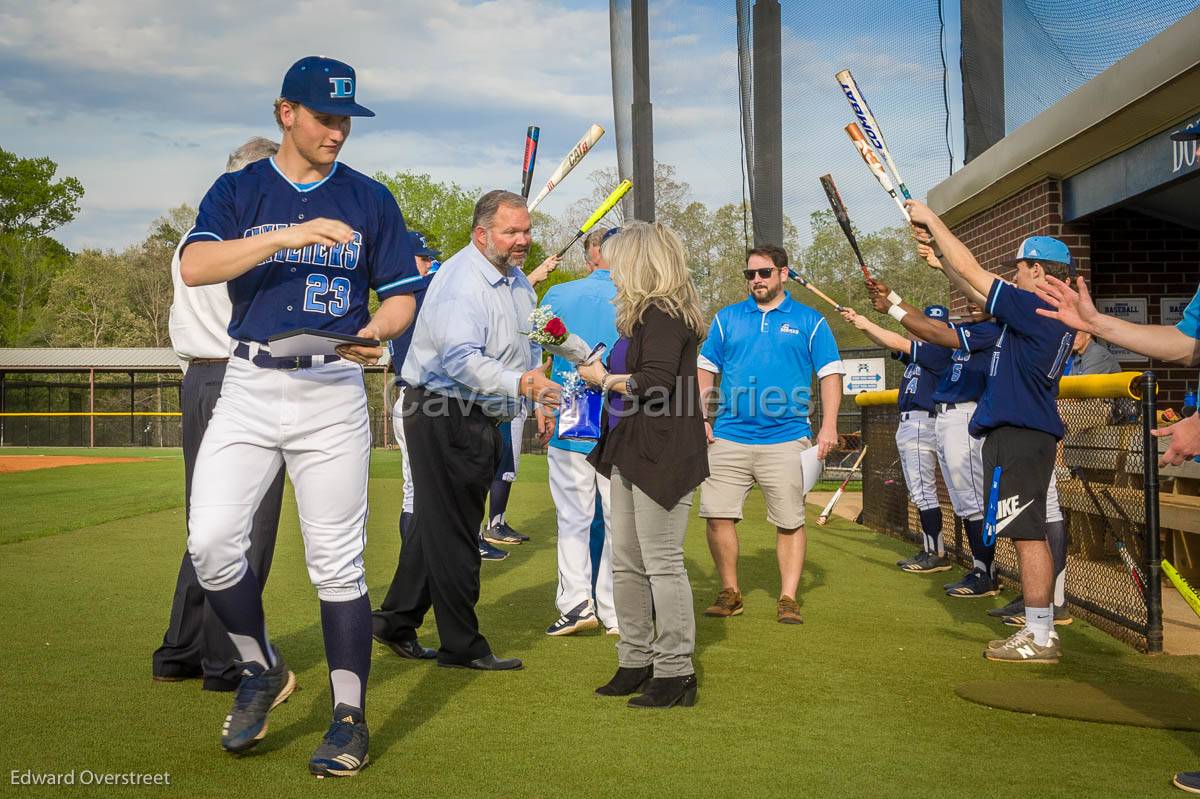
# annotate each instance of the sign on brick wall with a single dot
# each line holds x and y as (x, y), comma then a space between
(1170, 309)
(1131, 309)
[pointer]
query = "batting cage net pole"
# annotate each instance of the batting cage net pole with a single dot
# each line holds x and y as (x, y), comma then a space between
(1154, 612)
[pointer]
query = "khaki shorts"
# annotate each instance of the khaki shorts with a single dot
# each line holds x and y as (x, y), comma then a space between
(734, 468)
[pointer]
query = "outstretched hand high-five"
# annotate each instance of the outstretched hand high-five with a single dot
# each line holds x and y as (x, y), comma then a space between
(1073, 307)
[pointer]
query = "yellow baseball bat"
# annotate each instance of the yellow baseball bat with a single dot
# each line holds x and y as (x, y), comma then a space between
(606, 206)
(1186, 591)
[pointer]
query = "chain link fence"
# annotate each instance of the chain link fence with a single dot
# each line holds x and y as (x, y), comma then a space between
(1102, 491)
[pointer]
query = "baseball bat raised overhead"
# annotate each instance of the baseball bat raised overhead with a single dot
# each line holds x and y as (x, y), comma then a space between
(870, 125)
(531, 148)
(569, 162)
(839, 211)
(803, 281)
(824, 517)
(873, 163)
(612, 199)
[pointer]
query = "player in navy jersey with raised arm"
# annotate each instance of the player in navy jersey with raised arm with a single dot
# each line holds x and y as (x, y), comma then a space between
(1017, 416)
(301, 240)
(916, 434)
(963, 352)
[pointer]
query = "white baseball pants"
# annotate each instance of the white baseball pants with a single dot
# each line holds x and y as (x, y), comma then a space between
(573, 487)
(916, 441)
(314, 421)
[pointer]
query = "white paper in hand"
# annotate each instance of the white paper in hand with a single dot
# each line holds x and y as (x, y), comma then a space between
(812, 467)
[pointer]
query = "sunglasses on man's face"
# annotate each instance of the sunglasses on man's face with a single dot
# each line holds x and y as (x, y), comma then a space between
(763, 273)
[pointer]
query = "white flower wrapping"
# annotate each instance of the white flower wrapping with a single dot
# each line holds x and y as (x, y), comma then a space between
(572, 349)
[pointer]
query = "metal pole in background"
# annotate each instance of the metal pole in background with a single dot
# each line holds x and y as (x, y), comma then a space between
(982, 41)
(91, 408)
(767, 204)
(643, 116)
(1154, 610)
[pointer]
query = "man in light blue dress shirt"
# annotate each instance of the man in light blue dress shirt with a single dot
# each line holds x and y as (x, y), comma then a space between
(470, 367)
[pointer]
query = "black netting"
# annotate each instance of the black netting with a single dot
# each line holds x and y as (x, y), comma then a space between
(1052, 47)
(895, 55)
(1099, 473)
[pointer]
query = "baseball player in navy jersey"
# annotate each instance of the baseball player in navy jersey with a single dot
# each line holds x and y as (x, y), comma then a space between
(1017, 416)
(300, 239)
(916, 435)
(962, 353)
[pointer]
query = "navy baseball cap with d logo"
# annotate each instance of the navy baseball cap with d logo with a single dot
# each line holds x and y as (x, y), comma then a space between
(323, 85)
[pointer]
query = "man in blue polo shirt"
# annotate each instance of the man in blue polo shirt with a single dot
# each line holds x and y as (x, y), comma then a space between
(586, 307)
(1017, 417)
(765, 349)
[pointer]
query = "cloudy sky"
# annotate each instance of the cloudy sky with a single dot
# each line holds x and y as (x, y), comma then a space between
(143, 100)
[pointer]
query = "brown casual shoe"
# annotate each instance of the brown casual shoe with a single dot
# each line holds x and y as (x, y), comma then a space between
(789, 611)
(729, 603)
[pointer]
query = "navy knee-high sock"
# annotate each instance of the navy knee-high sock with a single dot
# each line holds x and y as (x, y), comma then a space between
(347, 629)
(983, 555)
(931, 527)
(1056, 536)
(240, 609)
(498, 501)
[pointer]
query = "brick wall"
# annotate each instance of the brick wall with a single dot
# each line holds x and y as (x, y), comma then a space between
(995, 234)
(1138, 256)
(1121, 253)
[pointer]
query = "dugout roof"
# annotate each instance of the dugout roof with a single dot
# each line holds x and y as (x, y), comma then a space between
(83, 359)
(1109, 141)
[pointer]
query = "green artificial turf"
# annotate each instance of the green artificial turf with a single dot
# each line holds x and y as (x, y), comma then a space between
(857, 702)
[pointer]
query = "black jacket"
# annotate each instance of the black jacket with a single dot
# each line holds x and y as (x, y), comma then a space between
(660, 445)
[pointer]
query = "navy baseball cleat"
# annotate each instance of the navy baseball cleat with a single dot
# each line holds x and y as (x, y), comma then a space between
(577, 619)
(502, 534)
(1016, 606)
(909, 561)
(927, 563)
(1187, 781)
(975, 584)
(489, 552)
(258, 693)
(343, 752)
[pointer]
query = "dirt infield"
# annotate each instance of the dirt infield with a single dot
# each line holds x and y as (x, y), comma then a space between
(28, 463)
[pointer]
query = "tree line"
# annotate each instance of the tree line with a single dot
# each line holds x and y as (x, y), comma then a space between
(50, 296)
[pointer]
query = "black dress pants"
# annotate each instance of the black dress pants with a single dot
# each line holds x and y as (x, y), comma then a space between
(195, 641)
(454, 449)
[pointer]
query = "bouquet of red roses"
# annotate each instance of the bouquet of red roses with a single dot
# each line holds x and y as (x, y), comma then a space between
(551, 333)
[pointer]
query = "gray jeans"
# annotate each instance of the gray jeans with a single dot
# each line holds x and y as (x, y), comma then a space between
(650, 582)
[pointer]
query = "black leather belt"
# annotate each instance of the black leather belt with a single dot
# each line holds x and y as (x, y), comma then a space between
(266, 361)
(196, 361)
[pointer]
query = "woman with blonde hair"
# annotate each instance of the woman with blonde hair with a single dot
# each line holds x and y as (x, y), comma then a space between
(653, 449)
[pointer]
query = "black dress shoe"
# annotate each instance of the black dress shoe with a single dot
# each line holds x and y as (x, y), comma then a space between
(668, 692)
(410, 650)
(488, 662)
(627, 681)
(177, 674)
(220, 684)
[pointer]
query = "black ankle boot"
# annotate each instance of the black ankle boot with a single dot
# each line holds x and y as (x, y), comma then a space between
(627, 681)
(667, 692)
